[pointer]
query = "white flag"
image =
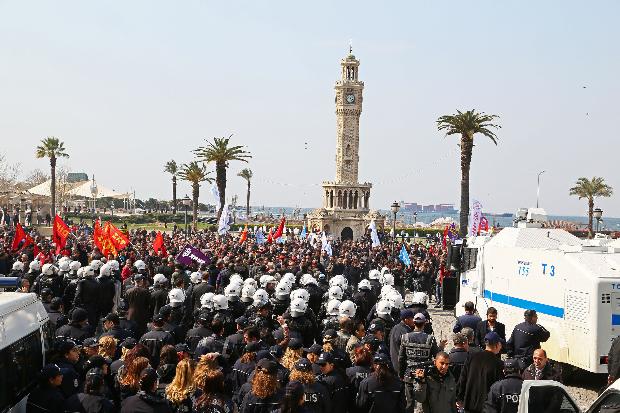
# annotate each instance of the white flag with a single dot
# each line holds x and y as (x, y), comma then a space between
(373, 234)
(224, 224)
(216, 195)
(476, 215)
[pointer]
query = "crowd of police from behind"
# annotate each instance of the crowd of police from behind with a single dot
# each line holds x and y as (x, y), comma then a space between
(265, 328)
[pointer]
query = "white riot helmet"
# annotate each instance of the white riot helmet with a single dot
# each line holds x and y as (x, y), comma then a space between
(96, 265)
(364, 285)
(383, 307)
(206, 300)
(48, 269)
(260, 297)
(347, 308)
(288, 278)
(75, 265)
(335, 292)
(396, 300)
(159, 279)
(386, 290)
(18, 266)
(307, 279)
(232, 292)
(35, 265)
(140, 265)
(250, 281)
(80, 272)
(64, 265)
(88, 271)
(266, 279)
(283, 289)
(247, 292)
(176, 296)
(340, 281)
(300, 293)
(298, 307)
(195, 277)
(332, 307)
(384, 270)
(374, 274)
(114, 265)
(220, 302)
(236, 278)
(419, 298)
(105, 270)
(387, 279)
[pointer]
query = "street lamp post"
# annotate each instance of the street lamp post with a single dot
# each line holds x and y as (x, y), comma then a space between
(597, 214)
(415, 218)
(394, 207)
(112, 209)
(538, 187)
(93, 191)
(186, 203)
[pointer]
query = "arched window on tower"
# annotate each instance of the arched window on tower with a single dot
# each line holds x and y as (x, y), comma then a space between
(366, 196)
(355, 200)
(347, 150)
(350, 199)
(339, 199)
(331, 198)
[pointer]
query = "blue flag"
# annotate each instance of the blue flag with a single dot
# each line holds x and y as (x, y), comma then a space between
(260, 237)
(404, 256)
(303, 232)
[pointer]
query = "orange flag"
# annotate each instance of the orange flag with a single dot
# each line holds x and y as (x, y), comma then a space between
(101, 238)
(60, 233)
(158, 244)
(244, 235)
(280, 229)
(270, 236)
(117, 237)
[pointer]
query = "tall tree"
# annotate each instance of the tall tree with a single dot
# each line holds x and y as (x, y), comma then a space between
(195, 173)
(52, 148)
(172, 168)
(221, 153)
(590, 189)
(247, 174)
(467, 124)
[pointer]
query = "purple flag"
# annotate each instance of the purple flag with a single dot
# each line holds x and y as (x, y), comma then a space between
(190, 255)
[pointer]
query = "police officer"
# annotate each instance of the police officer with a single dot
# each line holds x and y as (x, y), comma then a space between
(202, 330)
(416, 352)
(212, 344)
(91, 399)
(223, 314)
(159, 293)
(78, 329)
(87, 295)
(69, 357)
(504, 394)
(525, 338)
(381, 391)
(46, 397)
(155, 339)
(335, 382)
(107, 289)
(316, 397)
(234, 343)
(400, 329)
(469, 319)
(56, 314)
(112, 327)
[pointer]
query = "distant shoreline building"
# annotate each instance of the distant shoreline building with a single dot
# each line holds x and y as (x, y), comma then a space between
(346, 203)
(438, 208)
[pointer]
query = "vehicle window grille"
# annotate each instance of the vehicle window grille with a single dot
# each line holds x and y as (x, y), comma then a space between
(577, 306)
(605, 298)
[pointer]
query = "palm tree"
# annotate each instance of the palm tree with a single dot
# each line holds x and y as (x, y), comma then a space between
(172, 168)
(219, 152)
(52, 148)
(467, 124)
(195, 173)
(589, 189)
(247, 174)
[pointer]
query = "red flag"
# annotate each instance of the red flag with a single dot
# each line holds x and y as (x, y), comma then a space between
(20, 235)
(280, 229)
(101, 238)
(270, 236)
(244, 235)
(117, 237)
(445, 236)
(158, 244)
(60, 233)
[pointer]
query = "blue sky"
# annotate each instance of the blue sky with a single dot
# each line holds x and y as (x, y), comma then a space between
(129, 85)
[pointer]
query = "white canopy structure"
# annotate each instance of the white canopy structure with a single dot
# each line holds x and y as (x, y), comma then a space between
(42, 189)
(83, 190)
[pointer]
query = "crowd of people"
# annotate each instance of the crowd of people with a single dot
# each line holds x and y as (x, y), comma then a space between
(278, 327)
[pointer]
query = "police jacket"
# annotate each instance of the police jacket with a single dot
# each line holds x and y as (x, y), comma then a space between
(45, 398)
(458, 357)
(525, 338)
(154, 340)
(57, 319)
(374, 397)
(120, 334)
(416, 351)
(211, 344)
(337, 388)
(226, 317)
(316, 398)
(356, 375)
(395, 336)
(466, 320)
(253, 404)
(233, 346)
(75, 332)
(504, 395)
(199, 290)
(437, 393)
(158, 299)
(88, 403)
(240, 374)
(315, 297)
(304, 326)
(237, 308)
(279, 306)
(87, 295)
(71, 380)
(107, 290)
(193, 337)
(138, 300)
(145, 403)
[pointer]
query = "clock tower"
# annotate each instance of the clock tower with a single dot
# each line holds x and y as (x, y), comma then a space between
(346, 210)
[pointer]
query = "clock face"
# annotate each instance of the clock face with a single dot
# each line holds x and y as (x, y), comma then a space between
(350, 98)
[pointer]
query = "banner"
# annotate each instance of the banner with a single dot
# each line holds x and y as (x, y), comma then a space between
(60, 233)
(190, 255)
(20, 235)
(158, 244)
(373, 234)
(102, 240)
(404, 256)
(280, 229)
(476, 215)
(117, 237)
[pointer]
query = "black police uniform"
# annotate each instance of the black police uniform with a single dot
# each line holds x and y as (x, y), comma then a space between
(71, 380)
(458, 358)
(416, 351)
(374, 397)
(45, 398)
(504, 395)
(144, 402)
(107, 291)
(87, 297)
(316, 398)
(75, 332)
(233, 346)
(83, 402)
(526, 337)
(466, 320)
(154, 340)
(253, 404)
(337, 388)
(193, 337)
(211, 344)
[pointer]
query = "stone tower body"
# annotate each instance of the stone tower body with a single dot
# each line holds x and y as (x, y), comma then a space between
(346, 210)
